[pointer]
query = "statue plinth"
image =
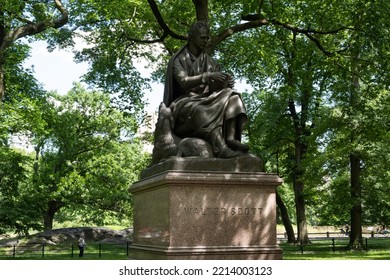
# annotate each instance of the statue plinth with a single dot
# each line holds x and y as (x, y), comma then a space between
(223, 213)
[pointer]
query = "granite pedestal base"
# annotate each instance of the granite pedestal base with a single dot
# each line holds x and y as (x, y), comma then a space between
(181, 214)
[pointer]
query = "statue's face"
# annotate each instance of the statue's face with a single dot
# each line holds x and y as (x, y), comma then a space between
(200, 39)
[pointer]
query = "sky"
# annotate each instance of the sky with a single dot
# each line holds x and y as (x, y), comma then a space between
(46, 67)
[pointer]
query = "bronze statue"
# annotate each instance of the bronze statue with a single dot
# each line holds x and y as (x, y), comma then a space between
(201, 100)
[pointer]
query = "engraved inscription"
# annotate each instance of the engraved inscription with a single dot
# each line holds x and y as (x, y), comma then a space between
(231, 211)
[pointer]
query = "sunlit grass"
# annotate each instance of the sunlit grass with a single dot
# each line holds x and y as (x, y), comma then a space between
(377, 249)
(352, 255)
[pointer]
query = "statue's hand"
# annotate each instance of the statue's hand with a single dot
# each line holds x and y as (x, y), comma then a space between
(218, 76)
(217, 81)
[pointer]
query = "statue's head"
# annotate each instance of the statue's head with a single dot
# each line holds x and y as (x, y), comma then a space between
(197, 27)
(199, 34)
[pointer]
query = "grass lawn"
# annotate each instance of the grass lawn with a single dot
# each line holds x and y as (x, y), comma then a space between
(370, 255)
(377, 249)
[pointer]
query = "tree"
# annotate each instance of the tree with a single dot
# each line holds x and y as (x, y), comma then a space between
(19, 116)
(106, 178)
(82, 135)
(14, 214)
(19, 19)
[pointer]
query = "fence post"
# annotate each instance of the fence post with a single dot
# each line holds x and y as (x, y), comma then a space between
(14, 251)
(100, 250)
(127, 248)
(43, 251)
(372, 233)
(72, 254)
(333, 245)
(301, 246)
(327, 234)
(366, 244)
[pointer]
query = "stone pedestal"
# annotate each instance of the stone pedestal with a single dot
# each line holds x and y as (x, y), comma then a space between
(193, 214)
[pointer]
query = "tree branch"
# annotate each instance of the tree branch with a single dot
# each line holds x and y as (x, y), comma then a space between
(35, 28)
(166, 30)
(258, 20)
(162, 23)
(308, 33)
(28, 29)
(237, 28)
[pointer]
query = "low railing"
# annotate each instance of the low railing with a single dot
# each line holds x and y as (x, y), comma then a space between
(336, 244)
(331, 234)
(40, 251)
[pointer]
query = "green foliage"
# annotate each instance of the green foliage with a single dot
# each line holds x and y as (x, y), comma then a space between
(20, 82)
(15, 213)
(106, 28)
(85, 158)
(19, 116)
(102, 192)
(23, 19)
(67, 132)
(17, 12)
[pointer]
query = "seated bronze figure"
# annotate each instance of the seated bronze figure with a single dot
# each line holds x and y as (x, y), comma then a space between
(201, 101)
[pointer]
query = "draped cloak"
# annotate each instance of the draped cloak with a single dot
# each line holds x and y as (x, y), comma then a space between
(198, 111)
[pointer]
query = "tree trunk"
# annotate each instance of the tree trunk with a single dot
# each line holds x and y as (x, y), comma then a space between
(286, 219)
(48, 218)
(298, 184)
(303, 236)
(202, 10)
(356, 237)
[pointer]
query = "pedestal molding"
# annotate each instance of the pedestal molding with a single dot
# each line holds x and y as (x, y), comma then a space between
(198, 179)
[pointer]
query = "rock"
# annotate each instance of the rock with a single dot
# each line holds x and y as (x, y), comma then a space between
(91, 234)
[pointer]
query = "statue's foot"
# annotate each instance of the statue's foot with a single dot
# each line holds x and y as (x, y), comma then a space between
(237, 145)
(228, 153)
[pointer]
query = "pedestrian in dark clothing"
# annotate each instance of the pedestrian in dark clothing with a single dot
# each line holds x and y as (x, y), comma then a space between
(81, 244)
